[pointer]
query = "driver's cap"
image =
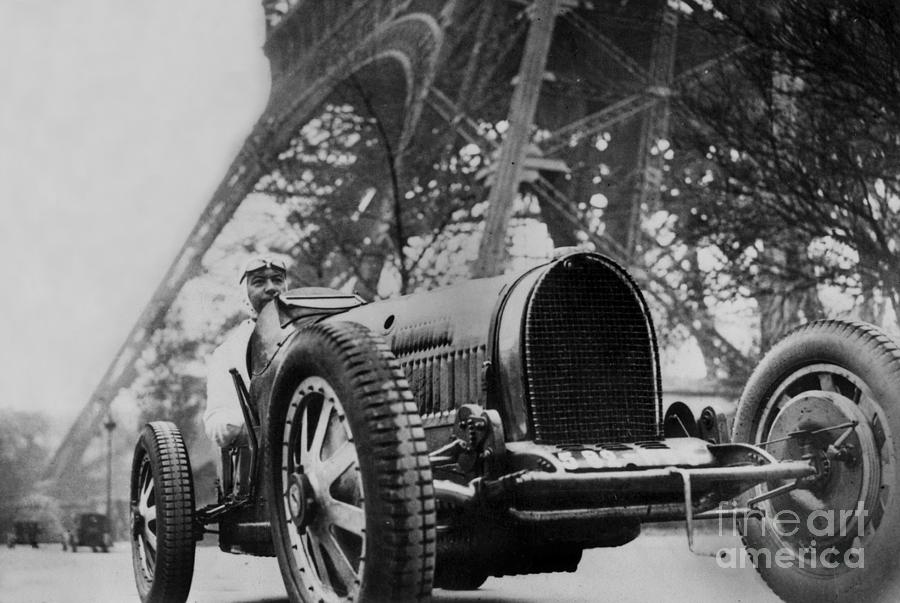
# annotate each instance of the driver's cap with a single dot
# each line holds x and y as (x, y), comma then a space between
(262, 261)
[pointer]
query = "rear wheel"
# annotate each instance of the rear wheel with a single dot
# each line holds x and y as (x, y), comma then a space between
(162, 515)
(350, 478)
(830, 393)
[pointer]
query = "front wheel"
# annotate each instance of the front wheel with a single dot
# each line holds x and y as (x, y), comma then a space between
(828, 393)
(350, 479)
(162, 515)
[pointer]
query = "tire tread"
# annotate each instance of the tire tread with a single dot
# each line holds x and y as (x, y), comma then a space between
(162, 442)
(399, 452)
(883, 355)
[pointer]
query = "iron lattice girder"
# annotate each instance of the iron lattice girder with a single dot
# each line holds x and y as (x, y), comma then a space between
(662, 57)
(627, 107)
(606, 118)
(656, 126)
(606, 46)
(656, 123)
(466, 127)
(492, 247)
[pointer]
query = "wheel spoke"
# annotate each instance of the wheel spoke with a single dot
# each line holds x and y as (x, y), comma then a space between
(345, 570)
(148, 557)
(150, 514)
(146, 491)
(329, 548)
(315, 549)
(770, 413)
(304, 434)
(315, 449)
(150, 537)
(826, 382)
(147, 513)
(346, 517)
(335, 465)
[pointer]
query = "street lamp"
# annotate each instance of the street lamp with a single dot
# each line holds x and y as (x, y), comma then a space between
(109, 425)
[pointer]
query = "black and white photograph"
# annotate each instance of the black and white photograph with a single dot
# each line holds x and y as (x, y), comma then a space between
(450, 300)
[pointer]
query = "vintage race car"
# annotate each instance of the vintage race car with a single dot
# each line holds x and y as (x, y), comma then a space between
(503, 425)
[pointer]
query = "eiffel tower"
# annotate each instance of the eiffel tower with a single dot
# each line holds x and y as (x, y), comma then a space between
(573, 69)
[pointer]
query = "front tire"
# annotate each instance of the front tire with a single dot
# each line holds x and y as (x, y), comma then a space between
(349, 474)
(833, 539)
(162, 515)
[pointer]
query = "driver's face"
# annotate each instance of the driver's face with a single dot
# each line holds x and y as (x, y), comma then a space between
(264, 285)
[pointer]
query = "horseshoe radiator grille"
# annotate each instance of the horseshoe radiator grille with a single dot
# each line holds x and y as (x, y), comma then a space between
(591, 366)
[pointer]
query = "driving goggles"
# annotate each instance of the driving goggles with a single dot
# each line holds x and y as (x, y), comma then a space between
(260, 263)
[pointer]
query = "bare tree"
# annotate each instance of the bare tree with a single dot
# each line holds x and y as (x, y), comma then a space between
(788, 156)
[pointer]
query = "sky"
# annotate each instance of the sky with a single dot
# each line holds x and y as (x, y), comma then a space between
(117, 122)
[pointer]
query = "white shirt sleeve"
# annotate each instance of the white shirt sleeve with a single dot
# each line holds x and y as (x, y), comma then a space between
(223, 420)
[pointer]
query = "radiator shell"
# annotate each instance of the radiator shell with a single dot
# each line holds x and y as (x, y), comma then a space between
(566, 351)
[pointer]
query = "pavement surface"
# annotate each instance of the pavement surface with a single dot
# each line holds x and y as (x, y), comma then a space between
(655, 567)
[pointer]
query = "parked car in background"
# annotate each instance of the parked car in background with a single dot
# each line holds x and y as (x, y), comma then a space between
(91, 529)
(25, 532)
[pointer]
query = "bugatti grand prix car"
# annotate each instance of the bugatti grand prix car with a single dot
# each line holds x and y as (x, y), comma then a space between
(504, 425)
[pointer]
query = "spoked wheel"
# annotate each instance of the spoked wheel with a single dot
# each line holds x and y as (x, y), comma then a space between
(324, 497)
(350, 479)
(829, 393)
(162, 515)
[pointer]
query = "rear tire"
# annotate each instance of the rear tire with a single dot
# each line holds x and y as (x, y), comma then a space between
(843, 544)
(349, 476)
(162, 515)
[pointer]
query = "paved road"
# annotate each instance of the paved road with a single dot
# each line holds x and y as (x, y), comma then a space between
(655, 567)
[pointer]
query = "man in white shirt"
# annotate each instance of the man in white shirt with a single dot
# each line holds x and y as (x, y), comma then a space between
(223, 419)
